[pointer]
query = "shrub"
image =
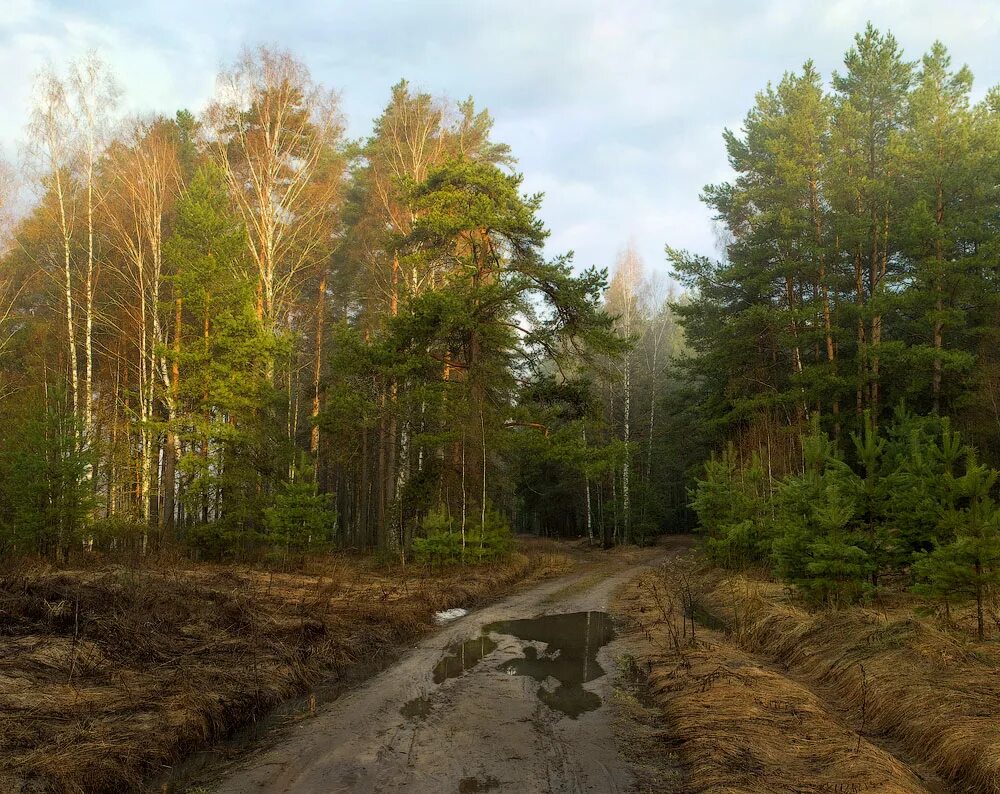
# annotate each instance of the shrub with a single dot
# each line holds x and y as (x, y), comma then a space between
(835, 530)
(732, 504)
(967, 567)
(217, 540)
(118, 533)
(818, 544)
(300, 518)
(441, 543)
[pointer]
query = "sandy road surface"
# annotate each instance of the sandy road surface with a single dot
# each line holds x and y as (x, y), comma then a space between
(484, 730)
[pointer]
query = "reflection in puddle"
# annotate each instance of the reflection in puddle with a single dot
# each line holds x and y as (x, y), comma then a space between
(570, 656)
(462, 656)
(559, 648)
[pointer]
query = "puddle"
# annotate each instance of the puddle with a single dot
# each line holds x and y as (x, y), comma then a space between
(473, 785)
(462, 656)
(560, 648)
(418, 708)
(560, 652)
(569, 656)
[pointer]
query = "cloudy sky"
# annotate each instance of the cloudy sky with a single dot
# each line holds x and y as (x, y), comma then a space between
(614, 109)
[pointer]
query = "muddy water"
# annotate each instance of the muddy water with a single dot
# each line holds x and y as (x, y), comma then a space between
(559, 651)
(458, 658)
(462, 656)
(568, 656)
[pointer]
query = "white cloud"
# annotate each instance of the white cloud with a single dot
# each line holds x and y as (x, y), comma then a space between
(614, 110)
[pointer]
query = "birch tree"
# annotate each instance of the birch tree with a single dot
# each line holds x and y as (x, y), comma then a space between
(146, 183)
(9, 289)
(623, 300)
(276, 131)
(51, 140)
(92, 96)
(656, 349)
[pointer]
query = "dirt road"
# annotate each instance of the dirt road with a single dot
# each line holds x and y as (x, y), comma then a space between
(493, 702)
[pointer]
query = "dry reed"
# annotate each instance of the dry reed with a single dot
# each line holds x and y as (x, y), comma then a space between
(736, 724)
(108, 674)
(925, 685)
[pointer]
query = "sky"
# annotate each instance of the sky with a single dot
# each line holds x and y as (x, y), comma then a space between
(614, 110)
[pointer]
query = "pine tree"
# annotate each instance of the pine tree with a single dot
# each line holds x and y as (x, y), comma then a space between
(968, 565)
(874, 489)
(940, 219)
(734, 509)
(869, 112)
(300, 519)
(822, 543)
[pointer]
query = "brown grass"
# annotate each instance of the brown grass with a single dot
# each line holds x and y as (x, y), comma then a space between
(109, 673)
(930, 688)
(738, 725)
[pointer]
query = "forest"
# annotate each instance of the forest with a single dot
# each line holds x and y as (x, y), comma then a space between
(844, 350)
(239, 333)
(276, 403)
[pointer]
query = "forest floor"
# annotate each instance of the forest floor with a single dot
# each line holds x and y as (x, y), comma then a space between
(110, 673)
(748, 691)
(705, 681)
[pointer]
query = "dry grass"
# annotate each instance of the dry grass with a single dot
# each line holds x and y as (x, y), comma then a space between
(107, 674)
(737, 725)
(929, 687)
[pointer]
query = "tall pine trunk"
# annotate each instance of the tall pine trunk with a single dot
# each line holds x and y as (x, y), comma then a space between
(317, 374)
(938, 303)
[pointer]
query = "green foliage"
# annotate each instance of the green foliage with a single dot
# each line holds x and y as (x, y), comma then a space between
(837, 570)
(732, 507)
(216, 540)
(438, 548)
(859, 236)
(559, 449)
(462, 361)
(924, 455)
(448, 363)
(300, 518)
(116, 533)
(966, 563)
(872, 489)
(45, 498)
(818, 545)
(235, 447)
(837, 530)
(443, 542)
(490, 539)
(858, 276)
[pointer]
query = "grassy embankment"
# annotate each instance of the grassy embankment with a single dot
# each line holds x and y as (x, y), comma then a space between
(109, 672)
(771, 696)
